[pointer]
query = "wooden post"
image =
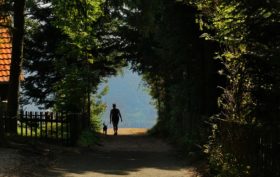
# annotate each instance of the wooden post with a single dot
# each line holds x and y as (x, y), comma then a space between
(31, 123)
(61, 127)
(51, 119)
(41, 124)
(25, 117)
(56, 126)
(36, 124)
(21, 122)
(46, 124)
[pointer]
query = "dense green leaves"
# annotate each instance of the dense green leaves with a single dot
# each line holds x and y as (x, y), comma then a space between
(54, 54)
(179, 47)
(70, 48)
(248, 33)
(178, 67)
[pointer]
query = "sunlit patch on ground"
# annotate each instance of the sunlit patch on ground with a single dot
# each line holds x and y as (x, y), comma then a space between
(128, 131)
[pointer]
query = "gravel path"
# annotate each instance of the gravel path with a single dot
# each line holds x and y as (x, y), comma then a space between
(131, 153)
(9, 161)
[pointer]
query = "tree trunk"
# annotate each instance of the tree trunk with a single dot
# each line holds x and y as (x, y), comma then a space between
(16, 64)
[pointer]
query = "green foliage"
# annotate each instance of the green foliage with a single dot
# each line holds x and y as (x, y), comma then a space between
(222, 163)
(226, 165)
(87, 138)
(70, 49)
(64, 66)
(76, 16)
(69, 91)
(179, 47)
(178, 68)
(97, 109)
(244, 30)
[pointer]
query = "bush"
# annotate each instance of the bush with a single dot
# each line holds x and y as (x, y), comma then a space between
(88, 138)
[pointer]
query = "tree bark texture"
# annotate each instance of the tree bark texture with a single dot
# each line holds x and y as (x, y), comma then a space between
(16, 64)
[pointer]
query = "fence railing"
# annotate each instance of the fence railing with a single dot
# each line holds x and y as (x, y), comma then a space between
(254, 146)
(56, 127)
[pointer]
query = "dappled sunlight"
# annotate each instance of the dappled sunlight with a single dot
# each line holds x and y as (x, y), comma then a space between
(128, 131)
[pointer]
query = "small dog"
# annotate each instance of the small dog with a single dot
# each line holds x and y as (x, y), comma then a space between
(105, 129)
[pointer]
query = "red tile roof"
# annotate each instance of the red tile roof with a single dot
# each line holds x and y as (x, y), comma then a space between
(5, 54)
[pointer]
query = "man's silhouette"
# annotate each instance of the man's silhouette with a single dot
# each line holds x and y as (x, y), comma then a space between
(115, 115)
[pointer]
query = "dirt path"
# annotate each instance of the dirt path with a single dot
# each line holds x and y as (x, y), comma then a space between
(9, 160)
(131, 153)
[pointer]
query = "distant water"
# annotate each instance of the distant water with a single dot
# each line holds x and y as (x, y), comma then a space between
(131, 97)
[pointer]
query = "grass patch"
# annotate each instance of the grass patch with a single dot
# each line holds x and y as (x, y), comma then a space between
(53, 130)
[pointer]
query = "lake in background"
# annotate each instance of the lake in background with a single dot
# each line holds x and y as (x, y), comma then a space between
(130, 95)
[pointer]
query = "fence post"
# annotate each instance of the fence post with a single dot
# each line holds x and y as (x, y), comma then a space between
(51, 120)
(46, 123)
(30, 123)
(21, 122)
(61, 125)
(36, 124)
(25, 117)
(41, 124)
(56, 128)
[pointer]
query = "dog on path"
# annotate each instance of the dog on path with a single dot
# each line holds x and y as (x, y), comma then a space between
(105, 129)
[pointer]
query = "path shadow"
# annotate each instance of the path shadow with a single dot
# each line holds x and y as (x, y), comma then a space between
(113, 163)
(118, 155)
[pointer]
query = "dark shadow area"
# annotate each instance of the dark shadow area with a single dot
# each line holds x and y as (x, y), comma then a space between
(117, 163)
(118, 155)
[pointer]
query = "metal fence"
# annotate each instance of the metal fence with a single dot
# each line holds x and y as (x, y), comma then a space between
(50, 126)
(254, 146)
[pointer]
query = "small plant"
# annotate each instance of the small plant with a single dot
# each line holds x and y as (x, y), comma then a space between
(87, 138)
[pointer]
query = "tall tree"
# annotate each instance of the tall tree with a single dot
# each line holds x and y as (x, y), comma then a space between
(4, 15)
(68, 57)
(16, 63)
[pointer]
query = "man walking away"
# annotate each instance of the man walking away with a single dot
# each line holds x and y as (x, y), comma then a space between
(115, 115)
